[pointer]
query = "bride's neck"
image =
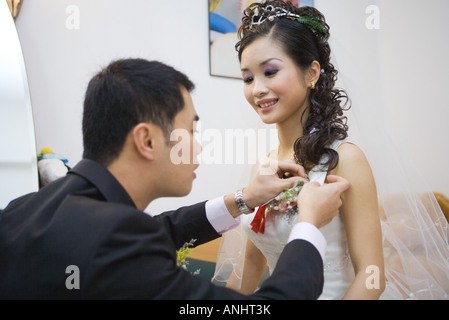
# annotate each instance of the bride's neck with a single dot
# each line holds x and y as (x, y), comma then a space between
(288, 133)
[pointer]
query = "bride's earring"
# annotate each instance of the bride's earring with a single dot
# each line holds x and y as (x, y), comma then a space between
(312, 85)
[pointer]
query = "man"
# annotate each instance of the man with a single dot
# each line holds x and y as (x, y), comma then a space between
(85, 236)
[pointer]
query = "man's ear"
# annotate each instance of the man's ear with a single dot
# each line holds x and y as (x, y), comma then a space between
(145, 136)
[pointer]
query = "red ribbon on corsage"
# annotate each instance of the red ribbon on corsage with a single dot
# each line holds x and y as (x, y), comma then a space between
(258, 223)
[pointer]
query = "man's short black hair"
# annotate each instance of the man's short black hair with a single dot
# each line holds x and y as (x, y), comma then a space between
(124, 94)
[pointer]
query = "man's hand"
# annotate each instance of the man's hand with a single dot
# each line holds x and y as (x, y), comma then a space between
(267, 184)
(269, 181)
(317, 204)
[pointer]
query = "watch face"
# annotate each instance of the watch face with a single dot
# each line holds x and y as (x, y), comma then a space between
(14, 6)
(241, 203)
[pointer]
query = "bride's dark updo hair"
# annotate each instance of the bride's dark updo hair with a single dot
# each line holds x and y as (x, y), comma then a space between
(305, 43)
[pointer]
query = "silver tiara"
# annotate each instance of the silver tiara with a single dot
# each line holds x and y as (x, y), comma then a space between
(270, 13)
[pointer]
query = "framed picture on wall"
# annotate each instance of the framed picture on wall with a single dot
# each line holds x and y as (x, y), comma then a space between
(224, 20)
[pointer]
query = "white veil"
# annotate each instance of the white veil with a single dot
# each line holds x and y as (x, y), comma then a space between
(415, 231)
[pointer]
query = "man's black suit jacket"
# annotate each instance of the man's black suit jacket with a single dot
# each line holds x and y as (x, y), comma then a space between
(88, 220)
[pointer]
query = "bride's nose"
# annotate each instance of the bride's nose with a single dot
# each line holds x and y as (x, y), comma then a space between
(260, 89)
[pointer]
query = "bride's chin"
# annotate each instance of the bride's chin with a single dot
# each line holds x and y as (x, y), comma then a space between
(267, 120)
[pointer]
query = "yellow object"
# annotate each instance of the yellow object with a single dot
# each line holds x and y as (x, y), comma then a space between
(46, 150)
(213, 5)
(443, 201)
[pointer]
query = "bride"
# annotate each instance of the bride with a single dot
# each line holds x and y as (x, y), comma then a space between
(378, 247)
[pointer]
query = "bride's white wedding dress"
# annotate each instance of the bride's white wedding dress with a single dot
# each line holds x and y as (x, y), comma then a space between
(416, 257)
(338, 270)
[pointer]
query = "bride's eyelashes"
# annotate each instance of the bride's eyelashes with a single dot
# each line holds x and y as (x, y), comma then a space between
(269, 72)
(248, 79)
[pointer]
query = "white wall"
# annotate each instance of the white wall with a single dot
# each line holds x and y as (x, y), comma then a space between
(415, 68)
(61, 61)
(412, 54)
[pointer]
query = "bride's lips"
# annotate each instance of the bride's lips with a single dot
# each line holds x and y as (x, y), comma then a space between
(267, 105)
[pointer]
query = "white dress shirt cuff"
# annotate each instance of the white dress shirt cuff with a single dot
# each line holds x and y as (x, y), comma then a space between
(219, 216)
(307, 231)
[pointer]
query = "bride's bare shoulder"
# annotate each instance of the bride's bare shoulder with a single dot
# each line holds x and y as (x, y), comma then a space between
(351, 159)
(350, 153)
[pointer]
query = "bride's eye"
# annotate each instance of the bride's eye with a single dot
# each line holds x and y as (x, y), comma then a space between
(270, 72)
(248, 79)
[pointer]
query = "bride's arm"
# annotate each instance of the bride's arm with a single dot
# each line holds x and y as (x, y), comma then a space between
(361, 218)
(254, 268)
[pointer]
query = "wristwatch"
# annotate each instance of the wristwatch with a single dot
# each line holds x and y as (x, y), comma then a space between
(241, 203)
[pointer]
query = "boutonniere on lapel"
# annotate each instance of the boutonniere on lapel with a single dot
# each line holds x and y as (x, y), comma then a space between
(183, 253)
